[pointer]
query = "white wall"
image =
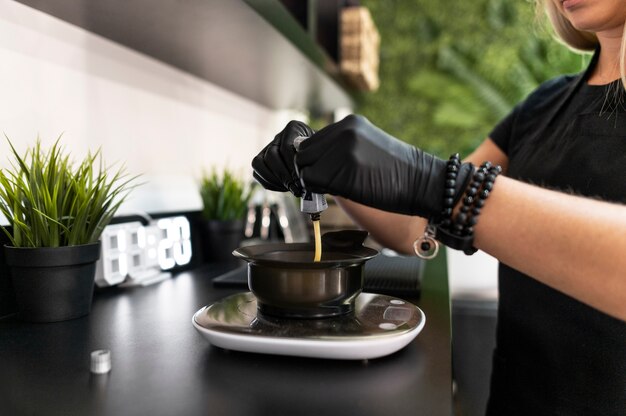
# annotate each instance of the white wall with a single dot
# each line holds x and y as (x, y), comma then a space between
(472, 277)
(161, 122)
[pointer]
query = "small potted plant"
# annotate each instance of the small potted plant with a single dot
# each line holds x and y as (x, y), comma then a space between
(56, 210)
(225, 200)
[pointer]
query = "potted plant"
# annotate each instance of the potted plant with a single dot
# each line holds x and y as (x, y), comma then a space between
(56, 210)
(225, 200)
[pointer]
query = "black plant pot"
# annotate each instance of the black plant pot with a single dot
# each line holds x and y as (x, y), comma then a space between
(221, 239)
(53, 283)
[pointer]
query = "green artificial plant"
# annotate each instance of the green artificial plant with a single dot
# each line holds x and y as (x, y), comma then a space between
(224, 197)
(50, 201)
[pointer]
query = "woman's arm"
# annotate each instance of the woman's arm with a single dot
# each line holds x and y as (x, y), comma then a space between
(394, 231)
(575, 245)
(397, 231)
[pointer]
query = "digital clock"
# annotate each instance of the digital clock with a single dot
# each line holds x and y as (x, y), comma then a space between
(134, 253)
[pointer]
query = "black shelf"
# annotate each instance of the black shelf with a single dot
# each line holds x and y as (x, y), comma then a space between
(254, 48)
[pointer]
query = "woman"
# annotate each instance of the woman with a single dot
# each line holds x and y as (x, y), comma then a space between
(554, 219)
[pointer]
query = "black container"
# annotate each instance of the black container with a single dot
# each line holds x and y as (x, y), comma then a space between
(7, 294)
(288, 284)
(221, 238)
(53, 283)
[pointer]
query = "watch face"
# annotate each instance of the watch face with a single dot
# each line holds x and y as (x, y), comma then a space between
(136, 250)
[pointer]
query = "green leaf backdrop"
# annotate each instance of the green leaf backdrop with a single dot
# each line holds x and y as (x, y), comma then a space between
(450, 70)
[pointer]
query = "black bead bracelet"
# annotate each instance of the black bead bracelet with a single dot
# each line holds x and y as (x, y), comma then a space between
(452, 171)
(472, 203)
(458, 232)
(426, 246)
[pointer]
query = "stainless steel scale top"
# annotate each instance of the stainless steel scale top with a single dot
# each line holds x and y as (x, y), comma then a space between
(379, 326)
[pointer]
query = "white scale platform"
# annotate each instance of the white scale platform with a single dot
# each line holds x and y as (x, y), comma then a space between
(379, 326)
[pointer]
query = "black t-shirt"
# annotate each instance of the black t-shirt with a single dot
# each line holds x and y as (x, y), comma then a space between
(554, 354)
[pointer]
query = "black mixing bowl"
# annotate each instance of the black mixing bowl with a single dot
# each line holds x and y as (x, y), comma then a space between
(288, 284)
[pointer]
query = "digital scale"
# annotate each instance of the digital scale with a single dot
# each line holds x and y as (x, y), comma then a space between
(379, 325)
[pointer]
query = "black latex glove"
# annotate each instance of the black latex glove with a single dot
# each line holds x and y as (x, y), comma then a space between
(358, 161)
(274, 165)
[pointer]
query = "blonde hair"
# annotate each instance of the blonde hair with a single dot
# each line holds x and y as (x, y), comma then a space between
(578, 39)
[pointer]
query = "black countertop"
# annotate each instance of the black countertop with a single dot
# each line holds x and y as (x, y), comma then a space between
(162, 366)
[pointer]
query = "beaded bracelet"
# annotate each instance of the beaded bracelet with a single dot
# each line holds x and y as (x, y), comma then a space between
(461, 235)
(426, 246)
(458, 233)
(476, 195)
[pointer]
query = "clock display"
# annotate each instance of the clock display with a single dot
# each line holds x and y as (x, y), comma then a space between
(138, 252)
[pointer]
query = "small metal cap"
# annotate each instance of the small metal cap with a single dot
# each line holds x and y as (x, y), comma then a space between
(100, 361)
